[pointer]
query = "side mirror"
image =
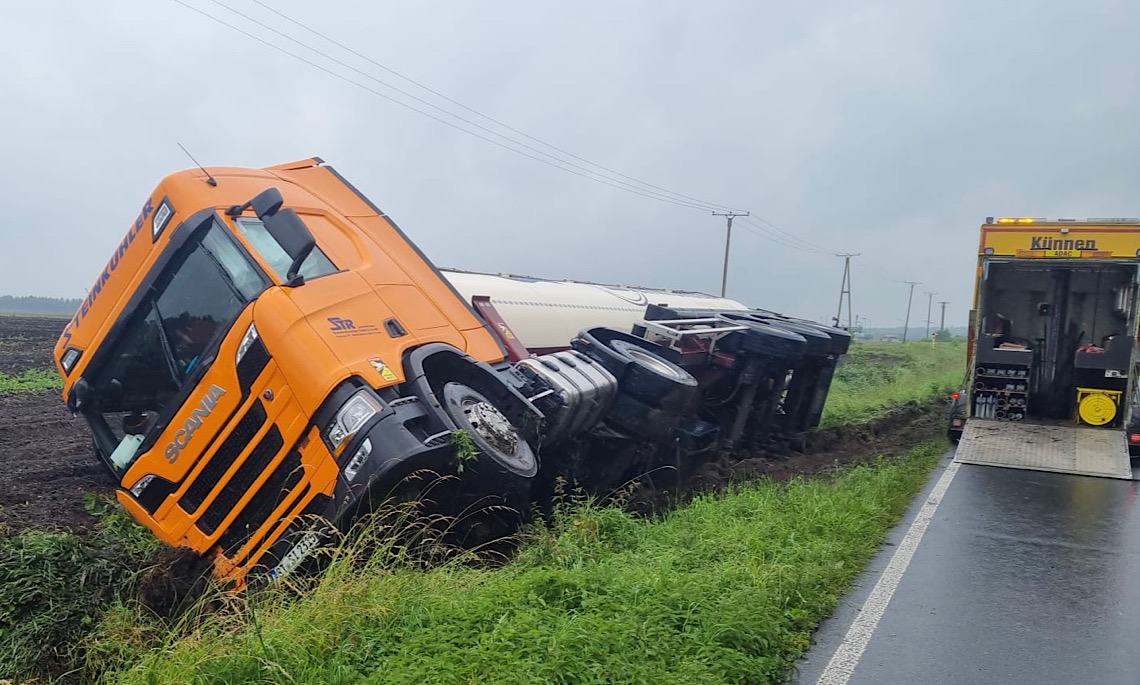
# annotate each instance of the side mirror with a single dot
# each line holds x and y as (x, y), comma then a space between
(285, 226)
(80, 395)
(266, 203)
(294, 237)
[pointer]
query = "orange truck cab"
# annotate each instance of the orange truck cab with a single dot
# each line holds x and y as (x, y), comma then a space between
(266, 354)
(267, 344)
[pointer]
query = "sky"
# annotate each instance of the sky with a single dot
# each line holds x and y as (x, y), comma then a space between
(888, 129)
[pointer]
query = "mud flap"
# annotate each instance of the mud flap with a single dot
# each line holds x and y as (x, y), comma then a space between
(1061, 449)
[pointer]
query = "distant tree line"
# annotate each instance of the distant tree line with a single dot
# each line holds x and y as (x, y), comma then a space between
(38, 305)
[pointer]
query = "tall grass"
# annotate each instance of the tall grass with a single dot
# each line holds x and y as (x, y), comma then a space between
(879, 375)
(54, 587)
(33, 380)
(724, 590)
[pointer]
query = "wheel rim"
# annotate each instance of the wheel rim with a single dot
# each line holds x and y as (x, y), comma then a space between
(498, 437)
(655, 363)
(491, 425)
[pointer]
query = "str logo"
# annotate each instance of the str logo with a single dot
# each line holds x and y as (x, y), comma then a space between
(183, 436)
(339, 324)
(347, 328)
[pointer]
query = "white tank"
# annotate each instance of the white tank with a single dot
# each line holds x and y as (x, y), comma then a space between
(546, 315)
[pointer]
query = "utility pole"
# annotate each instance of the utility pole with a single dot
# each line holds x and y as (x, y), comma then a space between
(942, 326)
(906, 322)
(845, 288)
(727, 241)
(929, 301)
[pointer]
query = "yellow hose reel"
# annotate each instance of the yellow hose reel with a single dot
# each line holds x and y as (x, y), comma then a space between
(1097, 407)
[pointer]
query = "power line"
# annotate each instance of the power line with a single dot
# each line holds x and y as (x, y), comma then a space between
(596, 178)
(664, 195)
(759, 225)
(791, 237)
(477, 112)
(779, 239)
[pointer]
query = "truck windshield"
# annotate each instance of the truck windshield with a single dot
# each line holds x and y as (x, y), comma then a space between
(168, 342)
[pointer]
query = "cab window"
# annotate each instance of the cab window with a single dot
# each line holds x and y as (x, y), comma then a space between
(316, 264)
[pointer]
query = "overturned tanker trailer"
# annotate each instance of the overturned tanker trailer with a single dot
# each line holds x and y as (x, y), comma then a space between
(266, 354)
(673, 379)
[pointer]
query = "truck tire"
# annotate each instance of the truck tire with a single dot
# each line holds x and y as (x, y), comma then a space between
(817, 343)
(492, 433)
(597, 344)
(765, 339)
(643, 368)
(651, 379)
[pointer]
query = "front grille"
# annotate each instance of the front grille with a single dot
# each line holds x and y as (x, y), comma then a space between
(222, 459)
(275, 490)
(251, 365)
(253, 466)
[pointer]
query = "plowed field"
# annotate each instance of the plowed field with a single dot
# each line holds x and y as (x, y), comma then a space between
(47, 463)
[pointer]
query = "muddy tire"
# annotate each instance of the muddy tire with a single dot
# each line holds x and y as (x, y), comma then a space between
(495, 438)
(493, 486)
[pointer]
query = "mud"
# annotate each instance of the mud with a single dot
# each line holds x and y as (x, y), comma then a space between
(784, 458)
(48, 465)
(26, 342)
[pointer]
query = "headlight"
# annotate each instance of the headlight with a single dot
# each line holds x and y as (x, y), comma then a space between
(69, 358)
(137, 488)
(358, 459)
(352, 415)
(248, 339)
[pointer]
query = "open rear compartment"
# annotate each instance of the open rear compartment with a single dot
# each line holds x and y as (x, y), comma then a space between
(1055, 343)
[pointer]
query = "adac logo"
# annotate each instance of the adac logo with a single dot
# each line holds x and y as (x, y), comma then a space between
(183, 436)
(1044, 242)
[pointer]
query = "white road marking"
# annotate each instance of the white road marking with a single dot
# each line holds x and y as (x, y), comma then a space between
(847, 656)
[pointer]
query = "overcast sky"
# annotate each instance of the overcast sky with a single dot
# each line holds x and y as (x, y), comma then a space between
(891, 129)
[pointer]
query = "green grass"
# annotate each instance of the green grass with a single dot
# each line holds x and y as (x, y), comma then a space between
(55, 587)
(724, 590)
(33, 380)
(879, 375)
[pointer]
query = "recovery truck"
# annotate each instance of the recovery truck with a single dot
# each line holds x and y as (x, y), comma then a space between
(266, 354)
(1052, 363)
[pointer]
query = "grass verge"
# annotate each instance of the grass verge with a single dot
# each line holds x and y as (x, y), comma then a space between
(725, 589)
(879, 375)
(33, 380)
(55, 587)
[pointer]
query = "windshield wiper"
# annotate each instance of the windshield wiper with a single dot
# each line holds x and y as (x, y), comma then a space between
(168, 351)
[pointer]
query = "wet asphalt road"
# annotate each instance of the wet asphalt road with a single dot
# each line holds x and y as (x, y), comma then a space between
(1022, 577)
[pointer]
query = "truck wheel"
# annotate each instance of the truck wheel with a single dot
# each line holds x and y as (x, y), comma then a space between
(766, 339)
(597, 344)
(651, 379)
(493, 434)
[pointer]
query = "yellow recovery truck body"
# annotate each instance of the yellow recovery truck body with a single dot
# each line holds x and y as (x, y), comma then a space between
(1052, 364)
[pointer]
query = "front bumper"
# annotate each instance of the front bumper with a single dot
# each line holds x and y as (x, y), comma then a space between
(403, 464)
